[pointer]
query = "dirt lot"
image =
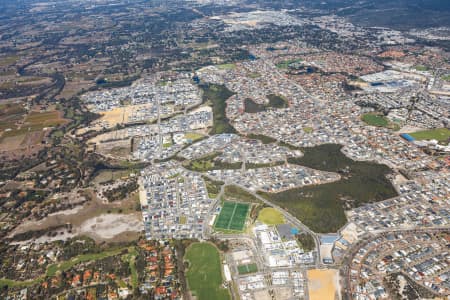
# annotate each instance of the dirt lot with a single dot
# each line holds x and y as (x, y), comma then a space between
(108, 226)
(323, 284)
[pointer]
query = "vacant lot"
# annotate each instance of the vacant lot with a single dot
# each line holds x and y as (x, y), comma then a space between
(323, 284)
(204, 274)
(232, 216)
(439, 134)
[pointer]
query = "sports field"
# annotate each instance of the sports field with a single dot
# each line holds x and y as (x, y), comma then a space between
(204, 274)
(439, 134)
(232, 216)
(246, 269)
(375, 119)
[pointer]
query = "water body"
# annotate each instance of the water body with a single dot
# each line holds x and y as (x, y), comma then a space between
(321, 207)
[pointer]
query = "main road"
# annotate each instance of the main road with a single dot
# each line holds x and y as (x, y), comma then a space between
(288, 217)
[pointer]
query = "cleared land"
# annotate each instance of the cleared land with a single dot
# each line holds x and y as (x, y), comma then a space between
(440, 134)
(322, 284)
(271, 216)
(204, 275)
(246, 269)
(232, 216)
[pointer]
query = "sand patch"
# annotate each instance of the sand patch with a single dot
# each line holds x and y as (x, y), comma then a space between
(107, 226)
(323, 284)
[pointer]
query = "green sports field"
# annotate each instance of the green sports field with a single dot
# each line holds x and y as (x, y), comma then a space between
(232, 216)
(204, 274)
(440, 134)
(246, 269)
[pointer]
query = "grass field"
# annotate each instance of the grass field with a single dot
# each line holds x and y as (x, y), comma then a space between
(193, 136)
(246, 269)
(421, 68)
(271, 216)
(204, 274)
(440, 134)
(308, 129)
(254, 75)
(285, 64)
(375, 120)
(209, 162)
(446, 77)
(226, 67)
(44, 119)
(232, 216)
(110, 175)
